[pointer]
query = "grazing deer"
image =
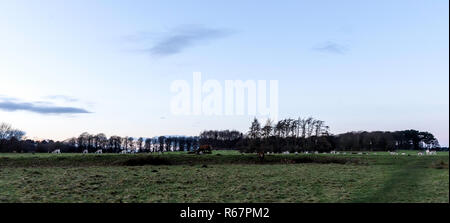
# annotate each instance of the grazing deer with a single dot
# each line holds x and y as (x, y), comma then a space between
(261, 155)
(204, 149)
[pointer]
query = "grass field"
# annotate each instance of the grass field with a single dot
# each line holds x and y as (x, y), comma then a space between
(224, 176)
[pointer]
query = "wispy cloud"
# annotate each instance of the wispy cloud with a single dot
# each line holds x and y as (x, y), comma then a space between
(181, 38)
(331, 47)
(11, 105)
(62, 97)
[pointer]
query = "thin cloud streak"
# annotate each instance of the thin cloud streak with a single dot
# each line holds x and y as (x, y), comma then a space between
(184, 37)
(62, 97)
(332, 47)
(12, 106)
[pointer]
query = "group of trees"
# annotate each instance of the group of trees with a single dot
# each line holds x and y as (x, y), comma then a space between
(378, 140)
(298, 128)
(225, 139)
(309, 134)
(11, 140)
(302, 134)
(286, 134)
(116, 144)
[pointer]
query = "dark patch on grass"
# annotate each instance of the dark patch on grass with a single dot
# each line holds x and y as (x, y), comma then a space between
(439, 165)
(36, 173)
(97, 176)
(145, 160)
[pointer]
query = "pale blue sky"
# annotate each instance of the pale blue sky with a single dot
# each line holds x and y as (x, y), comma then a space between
(358, 65)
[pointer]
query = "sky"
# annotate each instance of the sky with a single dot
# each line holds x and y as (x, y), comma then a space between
(72, 66)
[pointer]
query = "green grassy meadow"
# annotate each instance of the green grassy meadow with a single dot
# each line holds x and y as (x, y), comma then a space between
(224, 176)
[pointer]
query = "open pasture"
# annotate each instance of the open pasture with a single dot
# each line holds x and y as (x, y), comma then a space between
(224, 176)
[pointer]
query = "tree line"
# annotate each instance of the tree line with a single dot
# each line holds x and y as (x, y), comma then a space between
(309, 134)
(293, 135)
(117, 144)
(225, 139)
(11, 140)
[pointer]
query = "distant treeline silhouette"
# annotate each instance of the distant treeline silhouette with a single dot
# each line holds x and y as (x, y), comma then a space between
(293, 135)
(298, 135)
(225, 139)
(11, 141)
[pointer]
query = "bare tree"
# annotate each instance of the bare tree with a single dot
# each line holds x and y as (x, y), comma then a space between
(115, 143)
(309, 126)
(83, 140)
(148, 144)
(100, 141)
(255, 129)
(266, 131)
(125, 143)
(8, 133)
(131, 143)
(161, 141)
(140, 141)
(318, 125)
